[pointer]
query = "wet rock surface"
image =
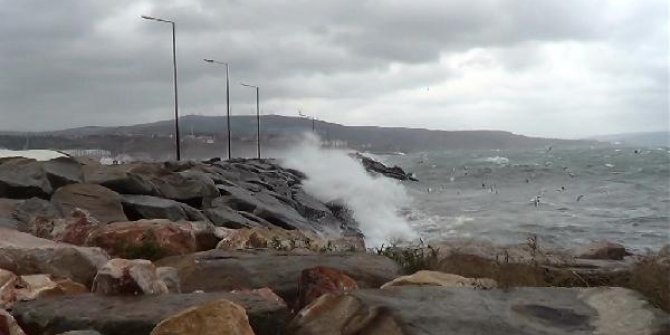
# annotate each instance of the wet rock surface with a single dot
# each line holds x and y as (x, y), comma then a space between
(218, 270)
(434, 310)
(136, 315)
(374, 166)
(24, 254)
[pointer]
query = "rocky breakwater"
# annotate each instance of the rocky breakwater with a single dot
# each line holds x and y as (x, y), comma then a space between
(239, 248)
(376, 167)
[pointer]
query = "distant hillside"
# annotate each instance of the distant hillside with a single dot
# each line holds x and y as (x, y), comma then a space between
(649, 139)
(357, 137)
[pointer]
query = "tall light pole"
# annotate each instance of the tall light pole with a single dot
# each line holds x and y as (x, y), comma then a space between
(227, 97)
(258, 118)
(176, 96)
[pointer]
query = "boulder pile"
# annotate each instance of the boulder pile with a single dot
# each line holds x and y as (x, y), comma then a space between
(238, 247)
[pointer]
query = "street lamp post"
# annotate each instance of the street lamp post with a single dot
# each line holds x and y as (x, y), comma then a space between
(176, 95)
(227, 97)
(258, 118)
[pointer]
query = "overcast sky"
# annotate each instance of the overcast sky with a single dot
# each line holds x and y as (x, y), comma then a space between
(562, 68)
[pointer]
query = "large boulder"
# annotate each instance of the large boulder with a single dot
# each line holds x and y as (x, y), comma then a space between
(229, 218)
(62, 171)
(35, 209)
(22, 178)
(30, 287)
(103, 203)
(217, 270)
(24, 254)
(601, 250)
(194, 190)
(128, 277)
(281, 239)
(120, 178)
(321, 280)
(217, 317)
(7, 213)
(139, 207)
(439, 310)
(262, 204)
(8, 325)
(148, 239)
(434, 278)
(136, 315)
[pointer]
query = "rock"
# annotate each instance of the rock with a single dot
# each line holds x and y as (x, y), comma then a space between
(103, 203)
(374, 166)
(81, 332)
(128, 277)
(8, 289)
(187, 188)
(217, 317)
(41, 286)
(139, 207)
(439, 310)
(8, 325)
(7, 209)
(24, 254)
(602, 250)
(22, 178)
(263, 205)
(76, 229)
(264, 293)
(170, 277)
(277, 238)
(148, 239)
(120, 178)
(63, 171)
(434, 278)
(320, 280)
(229, 218)
(35, 208)
(219, 270)
(123, 315)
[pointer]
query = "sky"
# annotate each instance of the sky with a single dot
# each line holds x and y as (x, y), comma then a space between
(554, 68)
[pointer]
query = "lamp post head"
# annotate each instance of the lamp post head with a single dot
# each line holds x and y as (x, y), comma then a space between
(155, 19)
(209, 60)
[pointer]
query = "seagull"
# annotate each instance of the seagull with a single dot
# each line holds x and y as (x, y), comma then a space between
(580, 197)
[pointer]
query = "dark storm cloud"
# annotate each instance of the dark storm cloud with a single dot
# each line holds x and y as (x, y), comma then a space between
(74, 62)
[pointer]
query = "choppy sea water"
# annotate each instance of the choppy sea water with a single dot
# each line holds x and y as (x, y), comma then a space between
(585, 194)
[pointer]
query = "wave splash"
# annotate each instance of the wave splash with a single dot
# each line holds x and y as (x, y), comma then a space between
(334, 176)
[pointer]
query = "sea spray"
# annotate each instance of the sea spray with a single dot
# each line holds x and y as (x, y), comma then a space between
(334, 176)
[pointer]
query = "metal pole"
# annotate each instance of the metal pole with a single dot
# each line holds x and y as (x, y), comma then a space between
(176, 98)
(258, 122)
(228, 107)
(313, 125)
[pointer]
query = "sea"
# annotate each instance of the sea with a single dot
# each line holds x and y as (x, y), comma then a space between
(564, 196)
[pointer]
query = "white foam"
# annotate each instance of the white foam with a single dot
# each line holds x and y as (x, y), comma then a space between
(334, 176)
(497, 160)
(40, 155)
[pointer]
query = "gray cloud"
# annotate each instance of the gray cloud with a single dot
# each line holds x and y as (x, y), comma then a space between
(521, 66)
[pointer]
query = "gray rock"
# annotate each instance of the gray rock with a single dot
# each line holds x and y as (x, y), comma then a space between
(7, 213)
(433, 310)
(139, 207)
(62, 171)
(120, 178)
(22, 178)
(34, 208)
(25, 254)
(192, 190)
(263, 205)
(81, 332)
(136, 315)
(229, 218)
(217, 270)
(101, 202)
